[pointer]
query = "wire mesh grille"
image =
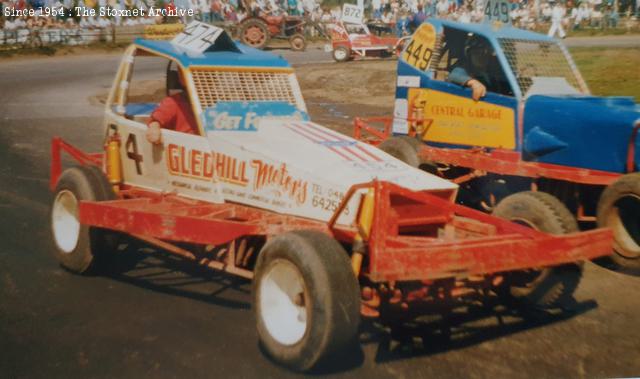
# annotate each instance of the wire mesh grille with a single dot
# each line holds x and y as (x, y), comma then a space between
(530, 59)
(216, 86)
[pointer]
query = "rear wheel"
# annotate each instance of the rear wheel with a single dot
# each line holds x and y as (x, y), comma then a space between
(297, 42)
(78, 246)
(306, 299)
(547, 287)
(254, 32)
(619, 209)
(404, 148)
(341, 54)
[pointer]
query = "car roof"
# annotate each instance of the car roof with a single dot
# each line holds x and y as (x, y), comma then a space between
(492, 31)
(246, 57)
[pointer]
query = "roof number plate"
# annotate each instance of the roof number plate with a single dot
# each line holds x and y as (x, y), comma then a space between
(352, 14)
(497, 11)
(197, 36)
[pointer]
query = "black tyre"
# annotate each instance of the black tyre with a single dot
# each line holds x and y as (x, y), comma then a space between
(404, 148)
(306, 299)
(297, 42)
(254, 32)
(548, 287)
(619, 209)
(341, 54)
(77, 246)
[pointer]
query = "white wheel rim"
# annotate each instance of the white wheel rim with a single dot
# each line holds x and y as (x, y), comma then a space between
(283, 302)
(340, 54)
(65, 221)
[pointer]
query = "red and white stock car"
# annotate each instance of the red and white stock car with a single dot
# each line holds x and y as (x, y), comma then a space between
(328, 228)
(351, 38)
(355, 41)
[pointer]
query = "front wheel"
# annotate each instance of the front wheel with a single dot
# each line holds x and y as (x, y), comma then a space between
(619, 209)
(297, 42)
(544, 287)
(306, 299)
(341, 54)
(77, 246)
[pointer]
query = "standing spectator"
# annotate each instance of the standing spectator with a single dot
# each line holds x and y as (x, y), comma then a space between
(205, 10)
(464, 15)
(216, 11)
(418, 18)
(546, 12)
(230, 13)
(177, 5)
(477, 12)
(557, 14)
(311, 7)
(293, 7)
(430, 8)
(442, 8)
(377, 9)
(611, 17)
(387, 19)
(596, 17)
(583, 14)
(402, 24)
(170, 7)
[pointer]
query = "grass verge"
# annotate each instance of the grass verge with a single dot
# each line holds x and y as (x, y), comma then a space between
(610, 71)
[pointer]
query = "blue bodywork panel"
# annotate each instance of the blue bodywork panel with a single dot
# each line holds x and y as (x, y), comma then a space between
(595, 131)
(247, 57)
(243, 116)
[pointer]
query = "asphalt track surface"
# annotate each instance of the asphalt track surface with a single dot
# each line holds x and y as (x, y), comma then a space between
(155, 316)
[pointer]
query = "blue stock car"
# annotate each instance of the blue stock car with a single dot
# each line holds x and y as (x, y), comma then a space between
(537, 137)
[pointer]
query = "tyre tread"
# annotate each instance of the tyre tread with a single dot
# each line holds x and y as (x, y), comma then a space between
(555, 285)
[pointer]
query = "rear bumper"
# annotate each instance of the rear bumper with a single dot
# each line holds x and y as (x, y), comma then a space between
(424, 260)
(421, 236)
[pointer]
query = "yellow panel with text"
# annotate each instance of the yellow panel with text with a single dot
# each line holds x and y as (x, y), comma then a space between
(461, 120)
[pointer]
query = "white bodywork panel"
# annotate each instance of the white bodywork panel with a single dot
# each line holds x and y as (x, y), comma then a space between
(156, 167)
(292, 167)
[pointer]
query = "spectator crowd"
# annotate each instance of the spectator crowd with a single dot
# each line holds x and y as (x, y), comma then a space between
(397, 16)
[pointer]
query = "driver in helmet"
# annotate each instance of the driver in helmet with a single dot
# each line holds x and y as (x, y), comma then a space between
(472, 70)
(174, 112)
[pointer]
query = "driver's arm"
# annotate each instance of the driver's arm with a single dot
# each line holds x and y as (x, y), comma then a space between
(164, 116)
(460, 76)
(478, 90)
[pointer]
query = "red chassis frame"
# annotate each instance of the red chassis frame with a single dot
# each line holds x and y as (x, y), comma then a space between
(498, 161)
(414, 236)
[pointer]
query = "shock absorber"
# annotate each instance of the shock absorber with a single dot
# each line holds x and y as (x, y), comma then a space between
(365, 220)
(112, 152)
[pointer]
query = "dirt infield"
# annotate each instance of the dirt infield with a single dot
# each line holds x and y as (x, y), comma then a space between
(336, 93)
